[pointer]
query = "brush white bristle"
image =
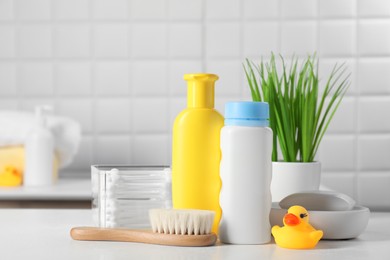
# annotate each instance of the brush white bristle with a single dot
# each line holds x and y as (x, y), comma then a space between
(181, 222)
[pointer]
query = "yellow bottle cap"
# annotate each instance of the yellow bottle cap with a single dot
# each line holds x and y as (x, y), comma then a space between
(200, 90)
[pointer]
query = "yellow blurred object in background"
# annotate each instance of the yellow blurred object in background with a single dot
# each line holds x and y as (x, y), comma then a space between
(12, 160)
(10, 176)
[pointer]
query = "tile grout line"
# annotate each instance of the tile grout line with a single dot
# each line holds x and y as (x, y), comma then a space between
(204, 34)
(132, 95)
(54, 62)
(356, 192)
(279, 20)
(384, 57)
(242, 52)
(93, 96)
(17, 63)
(168, 86)
(319, 56)
(214, 20)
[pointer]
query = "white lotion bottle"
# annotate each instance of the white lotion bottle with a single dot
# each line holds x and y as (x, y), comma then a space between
(39, 152)
(246, 172)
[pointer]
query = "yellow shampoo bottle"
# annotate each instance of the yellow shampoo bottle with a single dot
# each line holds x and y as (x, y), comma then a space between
(195, 150)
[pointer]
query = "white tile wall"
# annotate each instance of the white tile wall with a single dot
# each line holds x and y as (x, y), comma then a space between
(374, 37)
(184, 9)
(373, 152)
(341, 181)
(85, 153)
(372, 114)
(111, 78)
(260, 9)
(374, 76)
(148, 9)
(110, 9)
(7, 41)
(374, 189)
(35, 41)
(185, 40)
(327, 64)
(8, 79)
(111, 115)
(176, 70)
(298, 37)
(79, 109)
(74, 78)
(337, 153)
(337, 38)
(71, 9)
(344, 120)
(110, 40)
(149, 40)
(337, 8)
(149, 78)
(144, 115)
(116, 66)
(265, 40)
(113, 149)
(221, 9)
(373, 8)
(230, 74)
(150, 149)
(35, 78)
(30, 103)
(223, 40)
(298, 8)
(36, 10)
(72, 41)
(6, 9)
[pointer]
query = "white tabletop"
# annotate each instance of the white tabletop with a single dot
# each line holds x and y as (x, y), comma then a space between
(64, 189)
(44, 234)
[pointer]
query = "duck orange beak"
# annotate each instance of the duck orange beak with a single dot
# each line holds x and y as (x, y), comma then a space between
(291, 220)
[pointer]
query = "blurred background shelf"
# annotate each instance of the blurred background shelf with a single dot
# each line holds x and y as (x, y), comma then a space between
(66, 193)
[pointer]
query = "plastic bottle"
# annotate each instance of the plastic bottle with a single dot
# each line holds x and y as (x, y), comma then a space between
(39, 152)
(246, 146)
(196, 149)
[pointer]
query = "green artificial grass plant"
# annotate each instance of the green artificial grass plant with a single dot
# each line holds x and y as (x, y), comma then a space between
(299, 114)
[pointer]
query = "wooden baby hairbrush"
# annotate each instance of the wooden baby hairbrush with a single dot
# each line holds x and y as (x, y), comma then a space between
(169, 227)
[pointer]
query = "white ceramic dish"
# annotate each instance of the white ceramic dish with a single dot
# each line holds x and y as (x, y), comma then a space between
(319, 200)
(335, 224)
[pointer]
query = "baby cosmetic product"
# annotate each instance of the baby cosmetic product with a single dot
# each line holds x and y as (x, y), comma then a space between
(245, 199)
(123, 195)
(39, 152)
(196, 150)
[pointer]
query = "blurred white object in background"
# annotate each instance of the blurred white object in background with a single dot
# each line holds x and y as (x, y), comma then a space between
(15, 126)
(39, 151)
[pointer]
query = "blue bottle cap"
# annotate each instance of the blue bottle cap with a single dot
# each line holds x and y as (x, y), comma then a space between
(247, 113)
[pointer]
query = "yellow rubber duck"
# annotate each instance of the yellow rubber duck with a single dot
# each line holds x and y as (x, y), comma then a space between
(297, 233)
(10, 177)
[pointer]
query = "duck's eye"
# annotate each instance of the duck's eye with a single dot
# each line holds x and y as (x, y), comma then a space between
(303, 215)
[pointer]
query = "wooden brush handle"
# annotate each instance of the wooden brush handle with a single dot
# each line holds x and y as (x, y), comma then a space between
(140, 236)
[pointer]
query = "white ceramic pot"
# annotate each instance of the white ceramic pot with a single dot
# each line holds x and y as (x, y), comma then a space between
(293, 177)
